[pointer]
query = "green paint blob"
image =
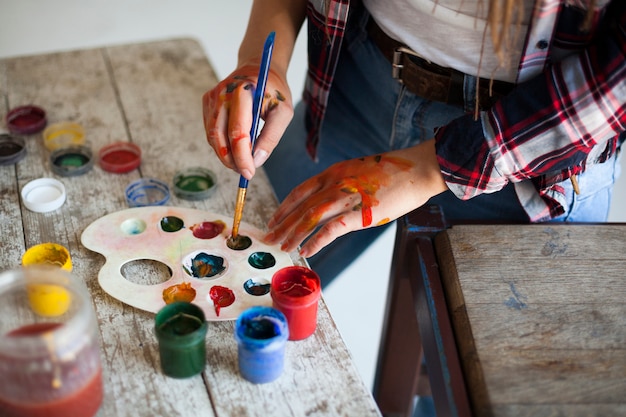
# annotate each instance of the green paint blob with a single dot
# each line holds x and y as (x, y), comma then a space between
(71, 160)
(172, 224)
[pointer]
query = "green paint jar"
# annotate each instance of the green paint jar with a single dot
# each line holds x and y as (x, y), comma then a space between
(181, 330)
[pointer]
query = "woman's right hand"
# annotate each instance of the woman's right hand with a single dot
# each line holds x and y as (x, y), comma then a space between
(227, 113)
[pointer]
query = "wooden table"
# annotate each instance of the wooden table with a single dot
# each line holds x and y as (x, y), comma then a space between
(515, 320)
(150, 94)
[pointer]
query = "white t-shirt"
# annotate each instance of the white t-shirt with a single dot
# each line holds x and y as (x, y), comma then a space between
(449, 33)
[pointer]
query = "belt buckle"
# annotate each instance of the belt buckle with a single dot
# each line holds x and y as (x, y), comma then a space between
(396, 64)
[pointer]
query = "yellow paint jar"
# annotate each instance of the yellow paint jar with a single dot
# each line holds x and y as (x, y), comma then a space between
(48, 299)
(63, 135)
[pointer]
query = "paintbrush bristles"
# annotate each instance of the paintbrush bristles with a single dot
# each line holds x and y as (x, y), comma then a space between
(241, 199)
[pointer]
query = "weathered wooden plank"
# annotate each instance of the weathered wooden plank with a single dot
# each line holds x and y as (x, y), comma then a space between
(538, 315)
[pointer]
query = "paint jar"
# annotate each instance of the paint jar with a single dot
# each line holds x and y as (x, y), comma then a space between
(261, 334)
(181, 329)
(51, 254)
(26, 120)
(195, 183)
(147, 192)
(295, 291)
(50, 365)
(12, 149)
(63, 135)
(120, 157)
(71, 161)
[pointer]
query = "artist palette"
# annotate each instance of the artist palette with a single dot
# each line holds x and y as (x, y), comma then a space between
(160, 253)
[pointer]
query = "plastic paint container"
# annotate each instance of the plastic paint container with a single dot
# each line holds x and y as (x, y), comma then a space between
(48, 300)
(26, 120)
(12, 149)
(147, 192)
(43, 195)
(63, 135)
(51, 254)
(181, 329)
(261, 334)
(295, 291)
(194, 183)
(120, 157)
(71, 161)
(49, 366)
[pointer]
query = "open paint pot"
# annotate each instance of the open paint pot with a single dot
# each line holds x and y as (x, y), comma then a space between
(26, 120)
(49, 345)
(12, 149)
(181, 329)
(147, 192)
(295, 291)
(261, 334)
(194, 183)
(120, 157)
(71, 161)
(63, 135)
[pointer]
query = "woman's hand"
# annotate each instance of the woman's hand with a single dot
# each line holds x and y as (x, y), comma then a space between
(356, 194)
(227, 113)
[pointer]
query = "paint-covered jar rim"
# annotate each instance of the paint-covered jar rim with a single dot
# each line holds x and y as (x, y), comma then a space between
(295, 287)
(174, 311)
(261, 327)
(71, 161)
(12, 149)
(194, 183)
(147, 192)
(62, 135)
(43, 195)
(26, 120)
(120, 157)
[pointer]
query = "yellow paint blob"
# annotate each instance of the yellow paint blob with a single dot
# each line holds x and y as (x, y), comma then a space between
(49, 300)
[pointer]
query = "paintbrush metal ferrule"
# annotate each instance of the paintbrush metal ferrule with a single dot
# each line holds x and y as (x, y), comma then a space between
(241, 200)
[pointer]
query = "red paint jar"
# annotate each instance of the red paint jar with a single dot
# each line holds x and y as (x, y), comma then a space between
(120, 157)
(295, 291)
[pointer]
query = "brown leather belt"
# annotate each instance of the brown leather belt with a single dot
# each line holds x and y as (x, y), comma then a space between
(429, 80)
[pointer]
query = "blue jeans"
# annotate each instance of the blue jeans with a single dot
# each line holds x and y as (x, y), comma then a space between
(369, 112)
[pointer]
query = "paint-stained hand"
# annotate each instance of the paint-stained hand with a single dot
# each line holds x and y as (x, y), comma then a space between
(227, 113)
(356, 194)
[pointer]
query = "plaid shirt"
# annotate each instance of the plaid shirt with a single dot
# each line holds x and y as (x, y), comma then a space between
(567, 111)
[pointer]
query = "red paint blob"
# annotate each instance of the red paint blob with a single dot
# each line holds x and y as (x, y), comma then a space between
(222, 297)
(208, 230)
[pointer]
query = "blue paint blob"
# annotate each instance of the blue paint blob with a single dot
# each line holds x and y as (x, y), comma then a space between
(261, 334)
(204, 265)
(258, 288)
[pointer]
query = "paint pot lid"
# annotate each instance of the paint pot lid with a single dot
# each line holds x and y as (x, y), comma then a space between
(63, 134)
(12, 149)
(43, 195)
(147, 192)
(71, 161)
(120, 157)
(194, 183)
(26, 120)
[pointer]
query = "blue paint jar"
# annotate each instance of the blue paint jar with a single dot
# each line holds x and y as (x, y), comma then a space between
(261, 334)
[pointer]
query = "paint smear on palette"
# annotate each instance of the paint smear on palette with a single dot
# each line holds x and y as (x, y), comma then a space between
(240, 242)
(179, 292)
(192, 246)
(221, 297)
(208, 230)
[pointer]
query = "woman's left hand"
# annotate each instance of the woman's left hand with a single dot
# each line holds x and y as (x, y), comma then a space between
(356, 194)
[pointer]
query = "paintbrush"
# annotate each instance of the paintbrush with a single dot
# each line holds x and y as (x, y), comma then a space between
(259, 92)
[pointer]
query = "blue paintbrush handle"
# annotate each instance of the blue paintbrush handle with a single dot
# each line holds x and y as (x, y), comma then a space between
(259, 92)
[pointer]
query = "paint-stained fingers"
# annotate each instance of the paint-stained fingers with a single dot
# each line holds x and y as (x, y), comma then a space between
(294, 199)
(215, 123)
(239, 124)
